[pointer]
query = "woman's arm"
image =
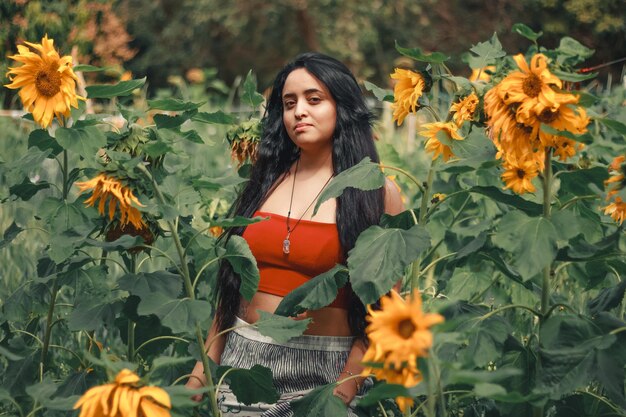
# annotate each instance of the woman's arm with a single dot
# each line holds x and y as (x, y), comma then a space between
(348, 390)
(197, 378)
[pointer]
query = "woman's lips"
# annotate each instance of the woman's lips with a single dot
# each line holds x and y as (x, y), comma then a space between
(301, 127)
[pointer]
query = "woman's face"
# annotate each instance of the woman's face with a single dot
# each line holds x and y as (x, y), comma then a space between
(309, 111)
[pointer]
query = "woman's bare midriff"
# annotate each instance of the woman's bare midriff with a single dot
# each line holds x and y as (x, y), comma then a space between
(327, 321)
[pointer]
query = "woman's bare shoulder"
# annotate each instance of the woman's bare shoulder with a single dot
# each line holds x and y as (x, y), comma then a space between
(393, 198)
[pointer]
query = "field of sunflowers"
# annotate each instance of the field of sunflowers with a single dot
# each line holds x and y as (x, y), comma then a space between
(512, 248)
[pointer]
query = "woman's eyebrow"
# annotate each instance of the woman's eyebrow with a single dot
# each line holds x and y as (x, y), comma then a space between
(309, 91)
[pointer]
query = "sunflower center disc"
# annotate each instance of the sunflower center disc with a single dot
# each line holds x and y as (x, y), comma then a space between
(548, 116)
(406, 328)
(48, 81)
(532, 86)
(521, 174)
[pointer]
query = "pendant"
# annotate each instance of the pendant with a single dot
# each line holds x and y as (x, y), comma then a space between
(286, 244)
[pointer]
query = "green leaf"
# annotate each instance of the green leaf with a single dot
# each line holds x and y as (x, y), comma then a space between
(404, 220)
(365, 175)
(619, 127)
(381, 392)
(251, 386)
(218, 117)
(584, 138)
(488, 390)
(418, 55)
(146, 283)
(380, 93)
(122, 88)
(84, 141)
(321, 402)
(525, 31)
(466, 284)
(380, 256)
(574, 77)
(89, 314)
(172, 104)
(88, 68)
(241, 259)
(486, 340)
(164, 121)
(462, 83)
(249, 94)
(179, 314)
(124, 242)
(608, 298)
(280, 328)
(237, 221)
(315, 293)
(26, 190)
(530, 240)
(573, 51)
(486, 53)
(9, 234)
(583, 181)
(41, 139)
(528, 207)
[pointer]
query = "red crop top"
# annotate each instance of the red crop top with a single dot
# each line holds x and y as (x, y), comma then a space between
(314, 249)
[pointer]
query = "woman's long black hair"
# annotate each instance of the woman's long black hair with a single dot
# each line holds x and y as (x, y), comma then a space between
(352, 141)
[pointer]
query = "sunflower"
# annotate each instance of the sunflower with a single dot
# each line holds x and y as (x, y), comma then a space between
(568, 118)
(464, 110)
(617, 210)
(565, 148)
(399, 333)
(402, 328)
(533, 87)
(409, 88)
(108, 188)
(435, 132)
(518, 175)
(123, 398)
(46, 80)
(617, 181)
(244, 141)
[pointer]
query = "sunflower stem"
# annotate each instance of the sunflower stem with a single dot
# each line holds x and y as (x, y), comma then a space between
(402, 171)
(416, 272)
(131, 324)
(184, 269)
(547, 203)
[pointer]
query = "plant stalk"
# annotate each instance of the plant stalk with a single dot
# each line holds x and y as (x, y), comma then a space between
(131, 324)
(215, 412)
(547, 200)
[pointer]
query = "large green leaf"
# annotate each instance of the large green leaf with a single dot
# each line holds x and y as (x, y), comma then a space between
(41, 139)
(237, 221)
(383, 391)
(486, 53)
(418, 55)
(531, 241)
(85, 141)
(280, 328)
(315, 293)
(617, 126)
(27, 189)
(525, 31)
(380, 93)
(366, 175)
(466, 284)
(173, 104)
(122, 88)
(9, 234)
(321, 402)
(179, 314)
(218, 117)
(163, 121)
(251, 385)
(91, 313)
(486, 340)
(240, 257)
(249, 94)
(144, 284)
(380, 256)
(528, 207)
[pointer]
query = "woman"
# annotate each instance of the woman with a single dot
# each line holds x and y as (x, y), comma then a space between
(316, 125)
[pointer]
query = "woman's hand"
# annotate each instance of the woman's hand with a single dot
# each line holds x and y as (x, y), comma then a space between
(196, 380)
(347, 390)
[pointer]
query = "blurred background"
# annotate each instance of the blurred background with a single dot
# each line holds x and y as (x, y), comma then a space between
(215, 42)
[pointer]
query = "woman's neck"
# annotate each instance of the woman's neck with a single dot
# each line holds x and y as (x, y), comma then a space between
(315, 162)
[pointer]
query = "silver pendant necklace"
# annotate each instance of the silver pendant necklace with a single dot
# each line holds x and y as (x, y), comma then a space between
(286, 242)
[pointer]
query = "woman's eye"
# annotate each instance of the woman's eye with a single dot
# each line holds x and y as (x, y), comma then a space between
(314, 99)
(289, 104)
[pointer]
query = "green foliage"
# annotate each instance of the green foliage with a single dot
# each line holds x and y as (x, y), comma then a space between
(532, 286)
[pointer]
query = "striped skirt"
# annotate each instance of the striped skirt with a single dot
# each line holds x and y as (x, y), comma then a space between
(298, 366)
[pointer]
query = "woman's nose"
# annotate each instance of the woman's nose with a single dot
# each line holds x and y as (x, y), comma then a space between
(300, 110)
